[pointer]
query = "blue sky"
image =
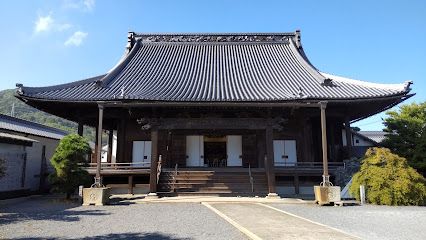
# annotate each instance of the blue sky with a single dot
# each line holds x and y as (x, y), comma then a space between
(51, 42)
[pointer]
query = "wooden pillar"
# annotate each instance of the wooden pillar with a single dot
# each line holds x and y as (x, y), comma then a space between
(110, 142)
(269, 162)
(98, 181)
(260, 139)
(95, 153)
(80, 128)
(130, 182)
(348, 134)
(332, 141)
(296, 184)
(121, 139)
(154, 163)
(325, 176)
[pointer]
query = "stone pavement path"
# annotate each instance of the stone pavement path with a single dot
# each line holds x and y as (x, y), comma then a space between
(259, 221)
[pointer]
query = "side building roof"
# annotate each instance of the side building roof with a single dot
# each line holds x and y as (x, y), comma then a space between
(23, 126)
(376, 136)
(245, 67)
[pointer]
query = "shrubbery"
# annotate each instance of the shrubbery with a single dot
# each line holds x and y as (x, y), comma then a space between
(71, 151)
(389, 180)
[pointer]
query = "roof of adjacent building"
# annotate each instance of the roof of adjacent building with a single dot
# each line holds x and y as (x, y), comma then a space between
(376, 136)
(16, 137)
(23, 126)
(251, 67)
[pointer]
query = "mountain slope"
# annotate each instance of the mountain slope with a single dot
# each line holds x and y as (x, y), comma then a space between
(23, 111)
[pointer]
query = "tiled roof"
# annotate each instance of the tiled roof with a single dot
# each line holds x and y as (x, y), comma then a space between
(377, 136)
(23, 126)
(16, 137)
(215, 68)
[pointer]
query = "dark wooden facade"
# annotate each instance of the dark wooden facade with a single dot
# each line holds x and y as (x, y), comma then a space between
(167, 128)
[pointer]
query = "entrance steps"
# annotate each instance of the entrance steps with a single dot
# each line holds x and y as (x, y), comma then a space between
(212, 183)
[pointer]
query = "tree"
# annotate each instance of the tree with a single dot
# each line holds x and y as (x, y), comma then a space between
(71, 152)
(389, 180)
(406, 134)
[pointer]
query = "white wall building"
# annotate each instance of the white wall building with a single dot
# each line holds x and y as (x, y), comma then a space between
(26, 148)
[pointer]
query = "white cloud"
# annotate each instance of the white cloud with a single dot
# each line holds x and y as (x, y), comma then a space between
(76, 39)
(63, 27)
(43, 24)
(85, 5)
(90, 4)
(48, 23)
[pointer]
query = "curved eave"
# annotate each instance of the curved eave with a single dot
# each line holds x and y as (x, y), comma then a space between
(399, 87)
(306, 101)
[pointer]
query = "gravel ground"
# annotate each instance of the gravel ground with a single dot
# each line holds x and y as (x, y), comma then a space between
(368, 221)
(52, 219)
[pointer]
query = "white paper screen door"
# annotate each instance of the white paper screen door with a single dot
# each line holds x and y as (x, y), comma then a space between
(194, 151)
(285, 152)
(141, 153)
(234, 150)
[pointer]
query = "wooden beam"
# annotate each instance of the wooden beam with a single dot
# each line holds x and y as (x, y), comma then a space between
(260, 147)
(24, 171)
(269, 160)
(154, 161)
(211, 104)
(94, 157)
(296, 184)
(121, 138)
(98, 181)
(110, 143)
(213, 123)
(326, 176)
(348, 134)
(80, 128)
(130, 183)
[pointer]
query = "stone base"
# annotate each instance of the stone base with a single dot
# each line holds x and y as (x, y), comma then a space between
(327, 194)
(96, 196)
(151, 196)
(273, 196)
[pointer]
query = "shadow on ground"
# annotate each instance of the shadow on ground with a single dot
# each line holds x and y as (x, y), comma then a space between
(43, 209)
(153, 236)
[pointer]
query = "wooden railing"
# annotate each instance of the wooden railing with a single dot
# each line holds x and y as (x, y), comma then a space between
(251, 178)
(159, 168)
(174, 178)
(119, 166)
(308, 165)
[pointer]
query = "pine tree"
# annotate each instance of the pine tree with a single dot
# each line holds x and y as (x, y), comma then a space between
(71, 152)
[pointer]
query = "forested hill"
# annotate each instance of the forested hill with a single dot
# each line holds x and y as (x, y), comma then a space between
(23, 111)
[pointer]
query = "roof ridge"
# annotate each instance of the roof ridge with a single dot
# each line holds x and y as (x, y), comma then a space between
(215, 33)
(218, 37)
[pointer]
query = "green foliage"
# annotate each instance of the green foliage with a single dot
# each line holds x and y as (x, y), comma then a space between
(389, 180)
(71, 151)
(407, 134)
(23, 111)
(2, 167)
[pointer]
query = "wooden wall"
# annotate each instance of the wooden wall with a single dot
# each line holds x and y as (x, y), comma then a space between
(172, 143)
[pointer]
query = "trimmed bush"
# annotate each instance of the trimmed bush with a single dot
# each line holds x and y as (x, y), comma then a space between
(389, 180)
(71, 152)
